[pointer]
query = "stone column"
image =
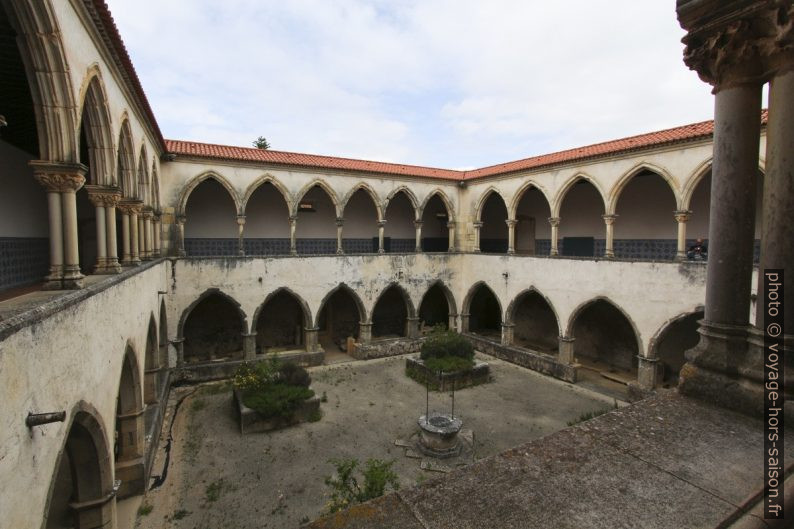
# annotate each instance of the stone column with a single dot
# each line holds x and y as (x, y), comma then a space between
(452, 323)
(464, 322)
(61, 181)
(111, 201)
(150, 385)
(555, 230)
(647, 372)
(477, 227)
(240, 236)
(157, 229)
(126, 258)
(95, 196)
(311, 339)
(249, 346)
(180, 224)
(681, 217)
(511, 235)
(179, 345)
(418, 228)
(381, 230)
(609, 247)
(293, 224)
(142, 237)
(340, 222)
(147, 234)
(566, 352)
(508, 333)
(135, 210)
(728, 44)
(412, 327)
(451, 228)
(364, 332)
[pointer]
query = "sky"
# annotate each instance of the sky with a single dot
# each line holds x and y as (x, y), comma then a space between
(457, 84)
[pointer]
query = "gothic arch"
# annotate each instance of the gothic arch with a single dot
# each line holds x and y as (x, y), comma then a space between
(582, 306)
(444, 198)
(473, 290)
(42, 51)
(194, 183)
(98, 130)
(143, 176)
(369, 191)
(155, 188)
(409, 306)
(362, 311)
(513, 206)
(262, 180)
(408, 193)
(126, 161)
(307, 315)
(623, 181)
(483, 199)
(653, 345)
(85, 456)
(202, 297)
(322, 185)
(511, 308)
(563, 191)
(453, 306)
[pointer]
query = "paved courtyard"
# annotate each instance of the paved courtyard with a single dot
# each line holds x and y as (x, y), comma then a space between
(219, 478)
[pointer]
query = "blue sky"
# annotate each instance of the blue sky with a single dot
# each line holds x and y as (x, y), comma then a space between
(444, 83)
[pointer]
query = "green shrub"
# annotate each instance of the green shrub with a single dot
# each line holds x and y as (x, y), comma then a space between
(276, 400)
(254, 376)
(449, 364)
(272, 388)
(444, 343)
(294, 375)
(345, 488)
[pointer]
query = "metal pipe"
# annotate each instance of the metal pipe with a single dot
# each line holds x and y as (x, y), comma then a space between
(37, 419)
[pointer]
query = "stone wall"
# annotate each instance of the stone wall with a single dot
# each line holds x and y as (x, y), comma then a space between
(388, 347)
(541, 363)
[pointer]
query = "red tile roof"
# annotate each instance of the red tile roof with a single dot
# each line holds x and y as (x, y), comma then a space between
(675, 135)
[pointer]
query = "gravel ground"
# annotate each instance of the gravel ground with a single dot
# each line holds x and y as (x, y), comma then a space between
(218, 478)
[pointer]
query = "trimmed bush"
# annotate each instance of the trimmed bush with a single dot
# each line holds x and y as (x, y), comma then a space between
(444, 344)
(273, 388)
(294, 375)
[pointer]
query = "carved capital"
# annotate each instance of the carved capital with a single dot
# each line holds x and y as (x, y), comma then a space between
(682, 216)
(554, 221)
(381, 223)
(609, 220)
(59, 177)
(418, 223)
(511, 223)
(240, 220)
(733, 43)
(181, 219)
(147, 213)
(450, 224)
(340, 221)
(103, 196)
(477, 225)
(130, 206)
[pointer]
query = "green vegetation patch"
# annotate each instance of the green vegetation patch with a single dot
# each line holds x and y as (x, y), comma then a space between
(272, 388)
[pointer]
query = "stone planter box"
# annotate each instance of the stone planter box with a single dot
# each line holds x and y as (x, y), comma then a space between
(479, 374)
(251, 421)
(382, 348)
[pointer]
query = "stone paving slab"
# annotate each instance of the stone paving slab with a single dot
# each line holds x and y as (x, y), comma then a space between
(666, 462)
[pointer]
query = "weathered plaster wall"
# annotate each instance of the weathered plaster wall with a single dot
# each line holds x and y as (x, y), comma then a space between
(71, 356)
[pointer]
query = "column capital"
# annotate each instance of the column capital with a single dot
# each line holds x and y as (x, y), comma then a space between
(147, 213)
(511, 223)
(477, 224)
(103, 196)
(240, 220)
(381, 223)
(609, 219)
(729, 44)
(554, 221)
(130, 206)
(418, 223)
(181, 219)
(293, 219)
(57, 177)
(340, 221)
(682, 215)
(450, 224)
(567, 339)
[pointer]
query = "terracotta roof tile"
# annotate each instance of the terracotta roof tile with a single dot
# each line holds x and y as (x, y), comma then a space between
(684, 133)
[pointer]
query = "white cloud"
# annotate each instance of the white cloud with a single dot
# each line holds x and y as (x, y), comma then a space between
(434, 82)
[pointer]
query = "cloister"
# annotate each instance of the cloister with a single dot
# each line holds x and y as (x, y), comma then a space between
(129, 261)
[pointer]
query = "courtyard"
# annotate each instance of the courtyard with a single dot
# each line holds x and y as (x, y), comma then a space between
(217, 477)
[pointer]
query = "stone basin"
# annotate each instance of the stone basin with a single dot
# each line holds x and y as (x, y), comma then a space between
(438, 435)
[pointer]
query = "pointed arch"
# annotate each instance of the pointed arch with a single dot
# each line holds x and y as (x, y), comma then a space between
(94, 119)
(693, 181)
(628, 176)
(163, 335)
(306, 312)
(409, 195)
(453, 306)
(376, 201)
(155, 188)
(143, 176)
(511, 308)
(260, 181)
(566, 187)
(653, 345)
(584, 305)
(204, 295)
(126, 161)
(512, 208)
(394, 285)
(465, 308)
(480, 205)
(82, 471)
(40, 43)
(194, 183)
(444, 198)
(322, 184)
(343, 287)
(151, 363)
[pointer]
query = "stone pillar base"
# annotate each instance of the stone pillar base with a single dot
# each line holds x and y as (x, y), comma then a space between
(311, 338)
(133, 477)
(647, 372)
(72, 283)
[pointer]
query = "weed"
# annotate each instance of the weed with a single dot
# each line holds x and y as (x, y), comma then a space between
(216, 489)
(324, 398)
(315, 416)
(181, 513)
(345, 489)
(216, 389)
(586, 416)
(145, 509)
(198, 405)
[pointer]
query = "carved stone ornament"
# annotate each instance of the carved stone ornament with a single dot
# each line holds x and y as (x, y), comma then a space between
(59, 177)
(102, 196)
(749, 44)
